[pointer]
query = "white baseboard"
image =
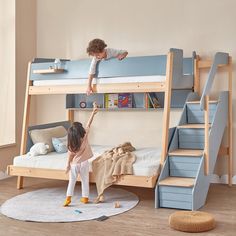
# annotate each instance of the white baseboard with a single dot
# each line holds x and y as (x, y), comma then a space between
(216, 179)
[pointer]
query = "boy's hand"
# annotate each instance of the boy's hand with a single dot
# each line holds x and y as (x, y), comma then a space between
(122, 56)
(89, 90)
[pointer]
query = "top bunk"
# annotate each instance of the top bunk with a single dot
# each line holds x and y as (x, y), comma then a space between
(133, 74)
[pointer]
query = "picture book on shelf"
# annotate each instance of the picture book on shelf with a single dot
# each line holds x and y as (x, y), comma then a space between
(125, 100)
(111, 100)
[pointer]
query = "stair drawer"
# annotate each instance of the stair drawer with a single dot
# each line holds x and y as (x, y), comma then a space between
(170, 189)
(175, 197)
(191, 138)
(176, 204)
(184, 166)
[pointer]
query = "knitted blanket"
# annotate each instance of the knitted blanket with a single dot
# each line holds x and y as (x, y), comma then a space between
(108, 167)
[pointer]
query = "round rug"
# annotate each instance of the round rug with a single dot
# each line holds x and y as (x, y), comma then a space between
(46, 205)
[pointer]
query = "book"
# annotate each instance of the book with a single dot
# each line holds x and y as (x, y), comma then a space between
(154, 100)
(125, 100)
(111, 100)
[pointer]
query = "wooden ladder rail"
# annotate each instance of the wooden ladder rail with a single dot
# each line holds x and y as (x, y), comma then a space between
(167, 100)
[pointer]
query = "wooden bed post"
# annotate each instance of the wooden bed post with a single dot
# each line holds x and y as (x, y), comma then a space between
(230, 124)
(25, 123)
(70, 115)
(166, 113)
(196, 75)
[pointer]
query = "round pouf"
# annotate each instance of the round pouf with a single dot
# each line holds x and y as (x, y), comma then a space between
(192, 221)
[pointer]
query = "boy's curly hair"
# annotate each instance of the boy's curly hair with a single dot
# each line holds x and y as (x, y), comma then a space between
(96, 46)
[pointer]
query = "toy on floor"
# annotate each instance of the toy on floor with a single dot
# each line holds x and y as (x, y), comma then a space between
(78, 211)
(117, 205)
(38, 149)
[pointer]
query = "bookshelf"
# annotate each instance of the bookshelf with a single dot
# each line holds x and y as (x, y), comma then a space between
(132, 101)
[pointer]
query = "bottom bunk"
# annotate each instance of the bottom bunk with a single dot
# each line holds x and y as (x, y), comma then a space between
(146, 168)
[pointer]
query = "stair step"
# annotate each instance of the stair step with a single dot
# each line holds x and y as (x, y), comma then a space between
(186, 152)
(197, 102)
(192, 126)
(178, 182)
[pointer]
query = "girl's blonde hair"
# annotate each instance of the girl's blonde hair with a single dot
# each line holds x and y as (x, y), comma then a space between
(96, 46)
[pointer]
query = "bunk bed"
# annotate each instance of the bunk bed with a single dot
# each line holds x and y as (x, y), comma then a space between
(163, 73)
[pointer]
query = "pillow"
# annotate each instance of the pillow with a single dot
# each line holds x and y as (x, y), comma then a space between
(46, 135)
(60, 144)
(38, 149)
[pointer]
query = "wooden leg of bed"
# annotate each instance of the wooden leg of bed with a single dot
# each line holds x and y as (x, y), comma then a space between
(20, 182)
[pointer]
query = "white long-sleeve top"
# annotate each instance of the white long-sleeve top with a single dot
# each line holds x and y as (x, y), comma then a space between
(111, 52)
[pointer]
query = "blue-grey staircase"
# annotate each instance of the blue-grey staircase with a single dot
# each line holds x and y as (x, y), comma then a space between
(182, 183)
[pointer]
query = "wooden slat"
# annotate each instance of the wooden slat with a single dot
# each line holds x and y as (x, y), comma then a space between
(186, 152)
(25, 122)
(206, 136)
(178, 182)
(198, 102)
(126, 180)
(101, 88)
(206, 64)
(192, 126)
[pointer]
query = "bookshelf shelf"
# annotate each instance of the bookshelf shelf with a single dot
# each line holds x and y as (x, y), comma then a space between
(139, 101)
(118, 109)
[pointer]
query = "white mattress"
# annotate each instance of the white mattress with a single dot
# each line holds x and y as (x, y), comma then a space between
(147, 162)
(131, 79)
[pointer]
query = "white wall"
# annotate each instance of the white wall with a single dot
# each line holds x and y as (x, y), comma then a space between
(25, 46)
(7, 68)
(143, 27)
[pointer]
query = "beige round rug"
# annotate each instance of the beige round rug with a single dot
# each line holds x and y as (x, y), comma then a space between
(45, 205)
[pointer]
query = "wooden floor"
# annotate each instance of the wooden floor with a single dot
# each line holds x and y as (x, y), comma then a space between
(143, 220)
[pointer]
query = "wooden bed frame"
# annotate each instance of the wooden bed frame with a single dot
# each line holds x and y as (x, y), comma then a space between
(130, 180)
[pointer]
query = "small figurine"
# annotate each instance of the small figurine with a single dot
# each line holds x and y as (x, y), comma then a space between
(117, 205)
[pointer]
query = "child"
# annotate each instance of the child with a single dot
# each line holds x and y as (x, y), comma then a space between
(79, 152)
(97, 49)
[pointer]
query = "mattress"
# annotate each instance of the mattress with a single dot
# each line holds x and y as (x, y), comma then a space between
(113, 80)
(147, 160)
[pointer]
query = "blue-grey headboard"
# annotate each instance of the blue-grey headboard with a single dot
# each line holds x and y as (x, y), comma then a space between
(65, 124)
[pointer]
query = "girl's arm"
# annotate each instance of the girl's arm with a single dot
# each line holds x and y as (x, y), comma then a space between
(69, 160)
(95, 110)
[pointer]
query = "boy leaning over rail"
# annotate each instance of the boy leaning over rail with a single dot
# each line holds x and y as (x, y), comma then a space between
(98, 49)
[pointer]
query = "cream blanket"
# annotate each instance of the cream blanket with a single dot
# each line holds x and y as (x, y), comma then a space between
(108, 167)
